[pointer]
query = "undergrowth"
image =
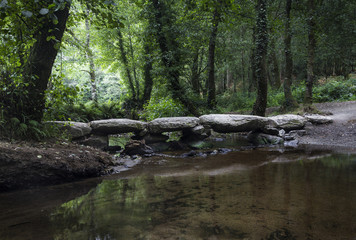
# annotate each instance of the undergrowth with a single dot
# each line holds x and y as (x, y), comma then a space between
(331, 90)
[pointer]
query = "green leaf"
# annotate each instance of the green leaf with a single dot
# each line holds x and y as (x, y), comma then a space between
(49, 38)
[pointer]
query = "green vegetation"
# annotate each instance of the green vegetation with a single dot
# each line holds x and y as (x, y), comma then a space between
(85, 60)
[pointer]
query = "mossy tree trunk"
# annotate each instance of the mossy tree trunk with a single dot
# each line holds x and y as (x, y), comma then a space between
(260, 105)
(308, 98)
(169, 54)
(289, 101)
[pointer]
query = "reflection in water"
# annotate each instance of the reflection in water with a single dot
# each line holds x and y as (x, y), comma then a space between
(298, 200)
(234, 196)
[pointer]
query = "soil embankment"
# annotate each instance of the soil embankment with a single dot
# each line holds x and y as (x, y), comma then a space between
(24, 165)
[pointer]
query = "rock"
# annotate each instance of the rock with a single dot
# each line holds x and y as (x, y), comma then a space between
(289, 137)
(224, 150)
(288, 122)
(155, 138)
(136, 147)
(198, 130)
(318, 119)
(274, 131)
(160, 146)
(299, 133)
(171, 124)
(261, 139)
(293, 143)
(116, 126)
(192, 153)
(196, 133)
(74, 129)
(228, 123)
(96, 141)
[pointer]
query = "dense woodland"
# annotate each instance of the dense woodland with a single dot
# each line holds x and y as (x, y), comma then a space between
(142, 59)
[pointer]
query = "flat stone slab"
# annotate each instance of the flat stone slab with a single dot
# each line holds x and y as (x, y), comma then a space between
(288, 122)
(171, 124)
(116, 126)
(229, 123)
(318, 119)
(75, 129)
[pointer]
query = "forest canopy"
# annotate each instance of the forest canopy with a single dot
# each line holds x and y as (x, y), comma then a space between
(143, 59)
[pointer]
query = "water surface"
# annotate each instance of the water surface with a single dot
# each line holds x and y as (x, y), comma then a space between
(255, 194)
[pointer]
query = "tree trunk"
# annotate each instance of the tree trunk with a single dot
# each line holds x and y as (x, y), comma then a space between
(147, 74)
(38, 68)
(137, 84)
(252, 78)
(275, 74)
(170, 57)
(308, 99)
(211, 61)
(126, 65)
(260, 105)
(90, 57)
(289, 101)
(195, 73)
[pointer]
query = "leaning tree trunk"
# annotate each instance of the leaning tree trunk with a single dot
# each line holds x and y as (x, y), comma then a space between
(38, 68)
(211, 61)
(170, 57)
(308, 99)
(289, 101)
(260, 105)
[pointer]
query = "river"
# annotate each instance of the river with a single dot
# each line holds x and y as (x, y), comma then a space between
(253, 194)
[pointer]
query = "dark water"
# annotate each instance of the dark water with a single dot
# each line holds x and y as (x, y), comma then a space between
(239, 195)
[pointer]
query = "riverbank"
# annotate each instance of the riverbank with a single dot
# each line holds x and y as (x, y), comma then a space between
(27, 164)
(340, 135)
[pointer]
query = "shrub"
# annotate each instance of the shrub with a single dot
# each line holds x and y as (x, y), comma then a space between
(85, 112)
(162, 107)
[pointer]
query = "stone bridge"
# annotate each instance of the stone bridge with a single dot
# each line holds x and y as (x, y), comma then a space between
(192, 128)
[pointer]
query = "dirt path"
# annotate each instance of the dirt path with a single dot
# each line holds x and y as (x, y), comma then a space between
(339, 135)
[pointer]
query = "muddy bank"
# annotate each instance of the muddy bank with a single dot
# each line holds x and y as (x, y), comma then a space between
(339, 135)
(24, 165)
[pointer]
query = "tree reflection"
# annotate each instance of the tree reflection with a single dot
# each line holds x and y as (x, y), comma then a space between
(297, 197)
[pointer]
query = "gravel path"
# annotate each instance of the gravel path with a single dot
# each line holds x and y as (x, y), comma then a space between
(339, 135)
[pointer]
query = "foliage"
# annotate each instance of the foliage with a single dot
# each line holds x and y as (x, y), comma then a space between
(235, 102)
(334, 89)
(162, 107)
(15, 129)
(86, 112)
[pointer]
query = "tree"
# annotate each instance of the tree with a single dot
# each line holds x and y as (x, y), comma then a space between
(170, 56)
(260, 105)
(289, 101)
(90, 57)
(211, 59)
(38, 66)
(311, 23)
